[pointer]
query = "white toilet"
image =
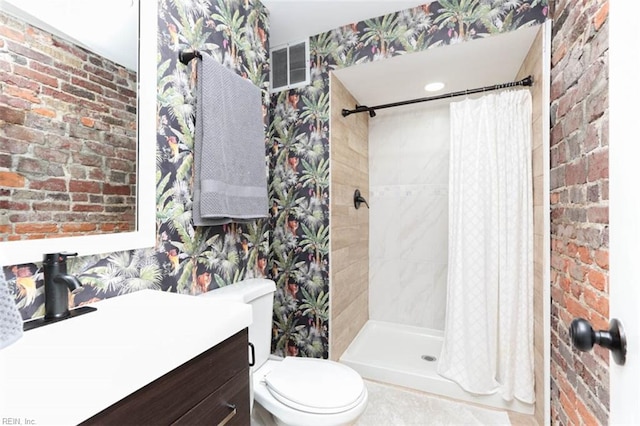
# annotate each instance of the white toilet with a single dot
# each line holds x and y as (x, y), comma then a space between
(296, 391)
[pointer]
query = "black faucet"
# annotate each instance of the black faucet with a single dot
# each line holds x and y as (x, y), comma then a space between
(56, 283)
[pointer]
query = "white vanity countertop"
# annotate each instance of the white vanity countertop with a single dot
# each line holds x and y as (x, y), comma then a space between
(64, 373)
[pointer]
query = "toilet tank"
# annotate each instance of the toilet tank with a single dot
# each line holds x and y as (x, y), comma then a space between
(258, 293)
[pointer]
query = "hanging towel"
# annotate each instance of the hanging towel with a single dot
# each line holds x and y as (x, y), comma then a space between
(229, 151)
(10, 318)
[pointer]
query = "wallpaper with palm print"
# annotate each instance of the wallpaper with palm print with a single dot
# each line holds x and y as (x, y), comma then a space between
(299, 145)
(186, 259)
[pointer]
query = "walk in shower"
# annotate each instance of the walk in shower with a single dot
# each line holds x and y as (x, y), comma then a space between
(408, 154)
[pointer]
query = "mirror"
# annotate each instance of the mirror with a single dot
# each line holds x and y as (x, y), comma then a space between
(141, 233)
(69, 122)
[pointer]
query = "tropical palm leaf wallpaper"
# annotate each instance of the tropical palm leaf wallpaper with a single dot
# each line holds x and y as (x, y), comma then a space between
(292, 247)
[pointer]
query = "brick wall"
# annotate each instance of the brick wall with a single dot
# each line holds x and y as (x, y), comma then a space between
(579, 208)
(67, 137)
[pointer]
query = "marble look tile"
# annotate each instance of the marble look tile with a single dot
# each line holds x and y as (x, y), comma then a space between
(426, 151)
(410, 293)
(382, 241)
(408, 239)
(383, 279)
(384, 158)
(425, 166)
(410, 147)
(423, 223)
(425, 295)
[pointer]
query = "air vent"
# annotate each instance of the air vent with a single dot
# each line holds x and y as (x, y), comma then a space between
(290, 66)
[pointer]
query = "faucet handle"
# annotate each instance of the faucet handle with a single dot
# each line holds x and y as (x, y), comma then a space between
(65, 254)
(51, 258)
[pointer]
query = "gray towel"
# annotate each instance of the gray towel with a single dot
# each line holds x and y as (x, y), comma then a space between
(10, 318)
(230, 182)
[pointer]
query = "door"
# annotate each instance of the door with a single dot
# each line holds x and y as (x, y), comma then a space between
(624, 207)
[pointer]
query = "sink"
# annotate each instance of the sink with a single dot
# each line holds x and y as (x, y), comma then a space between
(144, 323)
(39, 322)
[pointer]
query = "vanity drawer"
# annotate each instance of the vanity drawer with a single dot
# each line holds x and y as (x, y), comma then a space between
(166, 399)
(230, 403)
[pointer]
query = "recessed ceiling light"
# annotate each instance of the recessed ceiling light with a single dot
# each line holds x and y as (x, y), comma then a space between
(434, 87)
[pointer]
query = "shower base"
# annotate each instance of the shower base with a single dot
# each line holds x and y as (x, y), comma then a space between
(407, 356)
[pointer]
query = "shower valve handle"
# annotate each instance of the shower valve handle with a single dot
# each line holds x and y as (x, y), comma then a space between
(583, 337)
(359, 199)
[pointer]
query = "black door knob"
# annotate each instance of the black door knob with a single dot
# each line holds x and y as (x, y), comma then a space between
(583, 337)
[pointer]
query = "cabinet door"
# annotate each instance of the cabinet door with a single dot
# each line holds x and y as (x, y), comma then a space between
(228, 405)
(168, 398)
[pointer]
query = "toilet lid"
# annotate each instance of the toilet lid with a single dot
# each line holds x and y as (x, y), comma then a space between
(315, 385)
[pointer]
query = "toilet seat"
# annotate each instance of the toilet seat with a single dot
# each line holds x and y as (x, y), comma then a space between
(315, 386)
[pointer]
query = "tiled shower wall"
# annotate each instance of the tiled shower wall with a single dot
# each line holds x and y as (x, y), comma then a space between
(409, 175)
(349, 226)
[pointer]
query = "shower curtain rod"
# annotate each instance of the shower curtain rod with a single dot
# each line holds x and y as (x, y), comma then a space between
(527, 81)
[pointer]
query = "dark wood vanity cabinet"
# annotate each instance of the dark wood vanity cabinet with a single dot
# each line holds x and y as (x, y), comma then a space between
(210, 389)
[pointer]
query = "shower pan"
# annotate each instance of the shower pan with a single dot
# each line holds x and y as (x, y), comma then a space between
(408, 356)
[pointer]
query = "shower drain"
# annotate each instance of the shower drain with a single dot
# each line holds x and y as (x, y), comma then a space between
(428, 357)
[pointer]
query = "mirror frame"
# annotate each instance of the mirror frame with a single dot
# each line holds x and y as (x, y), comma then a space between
(26, 251)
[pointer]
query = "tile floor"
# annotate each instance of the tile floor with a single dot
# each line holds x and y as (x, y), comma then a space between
(396, 406)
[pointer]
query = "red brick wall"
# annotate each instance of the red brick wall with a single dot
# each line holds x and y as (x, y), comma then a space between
(67, 137)
(579, 208)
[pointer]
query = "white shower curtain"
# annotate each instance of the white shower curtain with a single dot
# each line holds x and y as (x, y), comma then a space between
(488, 339)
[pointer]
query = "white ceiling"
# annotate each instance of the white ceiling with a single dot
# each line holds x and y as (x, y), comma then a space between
(293, 20)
